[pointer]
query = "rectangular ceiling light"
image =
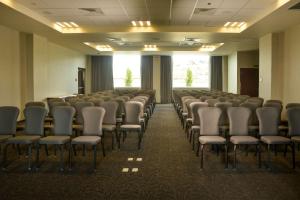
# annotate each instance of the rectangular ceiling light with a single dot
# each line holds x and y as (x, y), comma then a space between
(210, 47)
(234, 24)
(67, 24)
(99, 47)
(141, 23)
(150, 47)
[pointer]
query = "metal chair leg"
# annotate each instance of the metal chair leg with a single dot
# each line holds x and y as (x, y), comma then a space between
(4, 156)
(112, 140)
(103, 148)
(202, 148)
(258, 155)
(269, 156)
(293, 155)
(198, 149)
(140, 139)
(46, 150)
(29, 156)
(70, 155)
(95, 156)
(234, 149)
(37, 157)
(226, 156)
(83, 150)
(61, 157)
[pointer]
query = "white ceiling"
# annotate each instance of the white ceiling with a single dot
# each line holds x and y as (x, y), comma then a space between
(173, 20)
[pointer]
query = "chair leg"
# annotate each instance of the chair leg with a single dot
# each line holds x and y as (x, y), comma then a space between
(83, 150)
(29, 156)
(140, 139)
(19, 150)
(4, 156)
(61, 149)
(285, 150)
(198, 149)
(95, 156)
(226, 156)
(269, 156)
(293, 155)
(234, 149)
(275, 149)
(202, 148)
(37, 157)
(74, 149)
(112, 140)
(46, 150)
(258, 155)
(103, 148)
(70, 155)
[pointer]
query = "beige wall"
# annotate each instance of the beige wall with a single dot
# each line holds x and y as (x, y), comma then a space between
(232, 73)
(225, 73)
(10, 86)
(291, 70)
(33, 68)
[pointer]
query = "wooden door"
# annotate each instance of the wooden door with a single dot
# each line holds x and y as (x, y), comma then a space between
(81, 81)
(249, 79)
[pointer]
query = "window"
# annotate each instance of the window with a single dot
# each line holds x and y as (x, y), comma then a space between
(191, 70)
(126, 70)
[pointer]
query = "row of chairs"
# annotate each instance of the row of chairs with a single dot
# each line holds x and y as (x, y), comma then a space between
(96, 121)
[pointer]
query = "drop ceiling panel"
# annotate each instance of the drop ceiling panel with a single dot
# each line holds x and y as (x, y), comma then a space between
(113, 11)
(183, 3)
(158, 3)
(259, 4)
(233, 3)
(209, 3)
(62, 12)
(133, 3)
(136, 10)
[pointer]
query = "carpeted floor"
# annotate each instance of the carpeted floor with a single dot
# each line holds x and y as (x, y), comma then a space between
(169, 170)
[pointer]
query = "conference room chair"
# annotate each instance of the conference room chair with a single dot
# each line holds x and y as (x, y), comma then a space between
(8, 123)
(238, 130)
(34, 129)
(274, 101)
(96, 102)
(195, 127)
(211, 102)
(253, 120)
(234, 102)
(256, 100)
(35, 103)
(224, 122)
(293, 116)
(78, 107)
(109, 121)
(54, 104)
(188, 120)
(204, 98)
(132, 121)
(62, 131)
(268, 131)
(209, 131)
(92, 131)
(292, 105)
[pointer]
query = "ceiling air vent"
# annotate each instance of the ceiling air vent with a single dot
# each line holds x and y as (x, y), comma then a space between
(295, 7)
(96, 11)
(204, 11)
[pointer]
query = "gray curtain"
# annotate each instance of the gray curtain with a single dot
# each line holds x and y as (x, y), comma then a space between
(216, 79)
(166, 79)
(147, 72)
(102, 73)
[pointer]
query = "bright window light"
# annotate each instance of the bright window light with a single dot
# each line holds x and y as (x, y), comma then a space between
(127, 70)
(191, 70)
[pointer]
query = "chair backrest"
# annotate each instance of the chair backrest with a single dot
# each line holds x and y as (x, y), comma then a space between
(55, 104)
(188, 105)
(256, 100)
(121, 108)
(78, 107)
(8, 120)
(252, 106)
(238, 120)
(97, 102)
(293, 116)
(292, 105)
(209, 120)
(35, 103)
(211, 102)
(132, 112)
(276, 105)
(34, 120)
(204, 98)
(274, 101)
(195, 115)
(93, 119)
(63, 120)
(268, 120)
(224, 117)
(110, 108)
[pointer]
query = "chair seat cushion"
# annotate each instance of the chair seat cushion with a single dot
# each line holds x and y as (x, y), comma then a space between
(56, 139)
(23, 139)
(195, 127)
(108, 127)
(245, 139)
(275, 140)
(185, 114)
(213, 139)
(3, 138)
(130, 127)
(92, 140)
(189, 120)
(296, 138)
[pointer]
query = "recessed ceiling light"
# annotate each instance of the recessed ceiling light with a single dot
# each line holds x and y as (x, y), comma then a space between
(210, 47)
(133, 23)
(148, 23)
(227, 24)
(150, 47)
(99, 47)
(141, 23)
(234, 24)
(67, 24)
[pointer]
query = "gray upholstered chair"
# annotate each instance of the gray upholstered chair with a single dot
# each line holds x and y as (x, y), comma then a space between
(132, 120)
(34, 129)
(78, 107)
(292, 105)
(62, 131)
(268, 130)
(211, 102)
(189, 120)
(109, 121)
(209, 130)
(253, 121)
(256, 100)
(8, 122)
(293, 116)
(195, 128)
(238, 129)
(224, 122)
(274, 101)
(35, 103)
(92, 131)
(52, 105)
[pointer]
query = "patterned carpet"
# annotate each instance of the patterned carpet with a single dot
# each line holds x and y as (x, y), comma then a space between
(169, 170)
